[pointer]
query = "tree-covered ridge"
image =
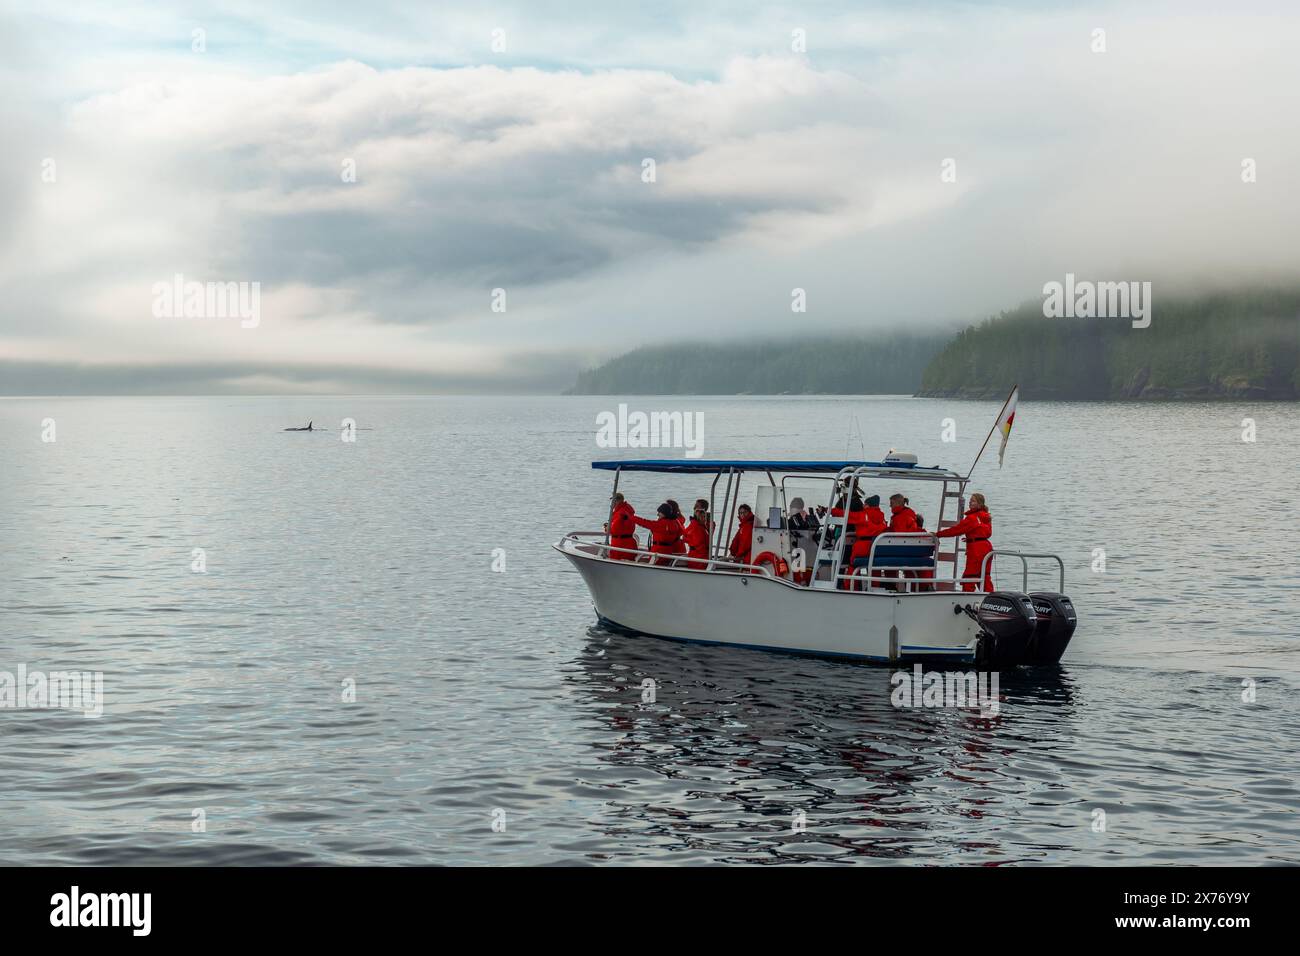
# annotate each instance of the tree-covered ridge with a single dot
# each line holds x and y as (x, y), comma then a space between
(858, 365)
(1243, 344)
(1222, 345)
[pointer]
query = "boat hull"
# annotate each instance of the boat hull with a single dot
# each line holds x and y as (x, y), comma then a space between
(768, 613)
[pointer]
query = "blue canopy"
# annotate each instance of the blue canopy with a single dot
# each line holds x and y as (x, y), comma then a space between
(700, 466)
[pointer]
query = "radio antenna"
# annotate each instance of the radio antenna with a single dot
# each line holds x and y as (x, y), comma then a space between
(862, 444)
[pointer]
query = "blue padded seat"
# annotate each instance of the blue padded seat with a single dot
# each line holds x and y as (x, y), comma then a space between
(901, 556)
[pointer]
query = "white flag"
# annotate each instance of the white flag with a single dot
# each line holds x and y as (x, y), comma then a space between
(1005, 420)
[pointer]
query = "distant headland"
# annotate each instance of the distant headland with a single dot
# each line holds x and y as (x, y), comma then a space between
(1242, 344)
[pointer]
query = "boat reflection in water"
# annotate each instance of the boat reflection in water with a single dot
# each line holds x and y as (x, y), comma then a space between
(712, 754)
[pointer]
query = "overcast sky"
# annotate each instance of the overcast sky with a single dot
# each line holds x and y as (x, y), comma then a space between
(129, 158)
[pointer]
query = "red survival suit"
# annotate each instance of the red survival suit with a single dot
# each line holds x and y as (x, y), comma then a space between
(744, 539)
(867, 523)
(665, 536)
(697, 540)
(622, 528)
(977, 526)
(904, 519)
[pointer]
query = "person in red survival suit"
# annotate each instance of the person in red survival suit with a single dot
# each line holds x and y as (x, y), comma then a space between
(744, 538)
(622, 529)
(698, 533)
(927, 573)
(855, 508)
(901, 518)
(977, 526)
(854, 519)
(858, 521)
(665, 533)
(871, 524)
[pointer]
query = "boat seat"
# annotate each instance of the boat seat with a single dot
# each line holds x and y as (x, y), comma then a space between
(901, 551)
(900, 556)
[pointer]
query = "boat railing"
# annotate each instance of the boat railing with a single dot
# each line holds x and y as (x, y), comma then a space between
(1024, 557)
(674, 561)
(889, 581)
(879, 573)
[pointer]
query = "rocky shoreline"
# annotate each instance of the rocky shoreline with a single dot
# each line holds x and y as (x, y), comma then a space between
(1138, 391)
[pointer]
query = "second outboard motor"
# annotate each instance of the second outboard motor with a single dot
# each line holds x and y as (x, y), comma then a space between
(1009, 623)
(1056, 623)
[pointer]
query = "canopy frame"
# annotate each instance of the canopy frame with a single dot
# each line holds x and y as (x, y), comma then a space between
(840, 473)
(687, 466)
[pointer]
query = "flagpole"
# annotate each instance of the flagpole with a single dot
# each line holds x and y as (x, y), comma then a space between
(991, 430)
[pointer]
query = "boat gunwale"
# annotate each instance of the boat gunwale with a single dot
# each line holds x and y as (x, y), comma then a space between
(761, 573)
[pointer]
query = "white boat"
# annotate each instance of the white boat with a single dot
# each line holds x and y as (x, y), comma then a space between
(905, 603)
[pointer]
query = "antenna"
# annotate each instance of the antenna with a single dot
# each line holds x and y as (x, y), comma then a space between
(848, 439)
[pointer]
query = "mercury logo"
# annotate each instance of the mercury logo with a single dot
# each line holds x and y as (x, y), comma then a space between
(103, 909)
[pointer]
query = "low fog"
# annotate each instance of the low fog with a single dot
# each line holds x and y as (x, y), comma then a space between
(131, 157)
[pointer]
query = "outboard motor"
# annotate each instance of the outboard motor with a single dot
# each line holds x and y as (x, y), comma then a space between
(1056, 623)
(1009, 623)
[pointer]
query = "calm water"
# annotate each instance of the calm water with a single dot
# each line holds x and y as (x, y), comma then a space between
(479, 691)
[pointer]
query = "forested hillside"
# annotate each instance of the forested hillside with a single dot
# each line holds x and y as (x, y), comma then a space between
(1225, 345)
(1243, 344)
(837, 366)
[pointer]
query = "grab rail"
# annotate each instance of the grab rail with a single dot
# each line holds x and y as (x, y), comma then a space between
(912, 584)
(891, 574)
(716, 564)
(1024, 557)
(675, 560)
